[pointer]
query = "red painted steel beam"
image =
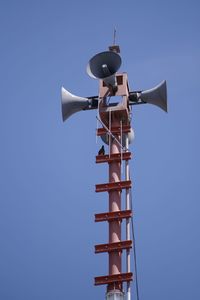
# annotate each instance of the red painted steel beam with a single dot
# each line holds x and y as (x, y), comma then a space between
(119, 246)
(114, 130)
(113, 157)
(113, 186)
(117, 278)
(113, 216)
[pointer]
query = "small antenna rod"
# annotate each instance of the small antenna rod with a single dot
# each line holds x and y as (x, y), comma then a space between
(114, 36)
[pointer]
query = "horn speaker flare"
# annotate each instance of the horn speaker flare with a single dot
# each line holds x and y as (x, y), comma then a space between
(72, 103)
(156, 95)
(103, 66)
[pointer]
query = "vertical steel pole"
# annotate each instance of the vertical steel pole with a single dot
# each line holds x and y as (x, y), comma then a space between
(114, 291)
(114, 205)
(128, 233)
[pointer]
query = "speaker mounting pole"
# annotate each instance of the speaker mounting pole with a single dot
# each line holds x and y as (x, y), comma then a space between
(117, 133)
(116, 121)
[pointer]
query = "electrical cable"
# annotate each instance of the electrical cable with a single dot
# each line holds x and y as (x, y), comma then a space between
(110, 133)
(108, 101)
(134, 249)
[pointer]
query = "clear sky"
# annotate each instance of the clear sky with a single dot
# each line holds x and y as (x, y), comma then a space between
(47, 167)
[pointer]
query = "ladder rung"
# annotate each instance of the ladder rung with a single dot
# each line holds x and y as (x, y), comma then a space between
(113, 157)
(113, 216)
(119, 246)
(114, 130)
(118, 186)
(113, 278)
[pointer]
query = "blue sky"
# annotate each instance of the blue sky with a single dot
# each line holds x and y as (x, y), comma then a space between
(48, 171)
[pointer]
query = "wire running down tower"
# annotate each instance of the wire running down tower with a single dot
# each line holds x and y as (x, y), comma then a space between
(117, 133)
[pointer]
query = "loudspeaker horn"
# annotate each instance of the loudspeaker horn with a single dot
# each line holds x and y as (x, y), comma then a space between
(72, 104)
(104, 65)
(156, 95)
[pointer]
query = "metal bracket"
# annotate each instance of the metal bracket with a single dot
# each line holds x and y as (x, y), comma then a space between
(118, 186)
(114, 130)
(113, 157)
(113, 278)
(113, 216)
(119, 246)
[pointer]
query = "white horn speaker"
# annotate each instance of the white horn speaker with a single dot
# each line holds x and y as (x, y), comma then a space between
(72, 104)
(156, 95)
(103, 66)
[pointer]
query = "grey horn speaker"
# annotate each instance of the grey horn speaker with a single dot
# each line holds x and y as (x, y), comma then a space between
(72, 104)
(156, 95)
(104, 65)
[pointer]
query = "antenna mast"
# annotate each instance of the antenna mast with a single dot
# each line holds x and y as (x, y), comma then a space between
(117, 133)
(116, 129)
(114, 36)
